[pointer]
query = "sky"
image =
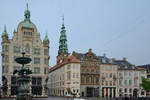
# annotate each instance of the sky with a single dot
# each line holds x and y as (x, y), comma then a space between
(119, 28)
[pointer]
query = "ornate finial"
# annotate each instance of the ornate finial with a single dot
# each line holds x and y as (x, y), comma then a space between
(27, 13)
(27, 6)
(63, 19)
(5, 31)
(46, 37)
(5, 28)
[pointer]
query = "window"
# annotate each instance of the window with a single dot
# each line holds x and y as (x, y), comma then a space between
(106, 83)
(114, 82)
(28, 49)
(135, 82)
(68, 75)
(125, 90)
(110, 83)
(120, 82)
(74, 66)
(13, 80)
(87, 79)
(125, 73)
(106, 75)
(82, 79)
(125, 82)
(5, 59)
(73, 75)
(5, 48)
(110, 75)
(92, 70)
(45, 51)
(120, 74)
(77, 75)
(45, 70)
(36, 51)
(36, 81)
(92, 79)
(37, 70)
(130, 82)
(103, 75)
(36, 60)
(97, 71)
(68, 67)
(27, 33)
(46, 61)
(130, 90)
(16, 49)
(120, 90)
(102, 82)
(97, 80)
(5, 69)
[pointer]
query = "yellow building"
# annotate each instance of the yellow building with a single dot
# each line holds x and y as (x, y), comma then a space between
(25, 39)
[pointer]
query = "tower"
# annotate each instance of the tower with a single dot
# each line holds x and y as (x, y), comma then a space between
(4, 34)
(63, 49)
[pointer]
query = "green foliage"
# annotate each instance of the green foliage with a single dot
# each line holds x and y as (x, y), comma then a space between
(145, 84)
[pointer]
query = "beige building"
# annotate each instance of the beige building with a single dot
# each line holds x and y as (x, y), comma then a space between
(108, 80)
(108, 77)
(129, 79)
(64, 78)
(25, 39)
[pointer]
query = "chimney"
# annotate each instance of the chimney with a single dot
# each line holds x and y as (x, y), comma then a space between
(113, 59)
(90, 50)
(104, 54)
(124, 59)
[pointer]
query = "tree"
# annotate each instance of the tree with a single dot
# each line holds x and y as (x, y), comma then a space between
(145, 84)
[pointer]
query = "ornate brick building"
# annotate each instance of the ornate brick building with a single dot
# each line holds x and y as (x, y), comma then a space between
(89, 72)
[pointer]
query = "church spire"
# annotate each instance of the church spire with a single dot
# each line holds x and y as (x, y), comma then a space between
(63, 49)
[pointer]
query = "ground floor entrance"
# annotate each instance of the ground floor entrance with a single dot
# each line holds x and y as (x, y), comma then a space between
(92, 92)
(108, 92)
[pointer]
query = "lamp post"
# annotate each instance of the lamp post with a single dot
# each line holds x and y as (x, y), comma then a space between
(23, 81)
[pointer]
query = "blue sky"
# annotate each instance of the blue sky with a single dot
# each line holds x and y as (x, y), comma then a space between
(119, 28)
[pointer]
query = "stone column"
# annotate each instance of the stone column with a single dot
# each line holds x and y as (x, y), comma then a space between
(104, 92)
(112, 92)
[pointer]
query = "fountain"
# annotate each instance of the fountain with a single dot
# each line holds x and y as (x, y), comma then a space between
(23, 80)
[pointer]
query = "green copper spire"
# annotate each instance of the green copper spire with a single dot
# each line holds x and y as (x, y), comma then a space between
(5, 32)
(63, 41)
(46, 38)
(27, 22)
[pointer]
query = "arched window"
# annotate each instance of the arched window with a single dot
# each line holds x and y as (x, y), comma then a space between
(27, 48)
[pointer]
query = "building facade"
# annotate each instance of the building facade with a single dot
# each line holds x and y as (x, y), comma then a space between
(108, 83)
(90, 73)
(108, 77)
(25, 39)
(64, 78)
(129, 79)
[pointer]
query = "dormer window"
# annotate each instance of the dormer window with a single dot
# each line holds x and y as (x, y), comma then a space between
(27, 33)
